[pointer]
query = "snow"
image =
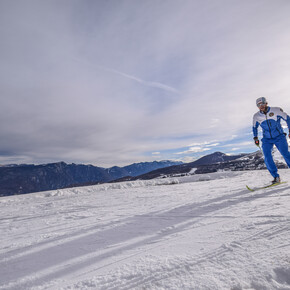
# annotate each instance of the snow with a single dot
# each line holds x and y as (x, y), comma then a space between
(192, 232)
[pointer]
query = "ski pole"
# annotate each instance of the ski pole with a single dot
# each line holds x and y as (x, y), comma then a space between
(261, 150)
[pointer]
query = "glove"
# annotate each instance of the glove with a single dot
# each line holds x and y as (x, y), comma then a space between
(257, 142)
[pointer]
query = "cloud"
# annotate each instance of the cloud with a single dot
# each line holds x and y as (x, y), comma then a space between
(239, 144)
(235, 149)
(146, 83)
(193, 150)
(107, 82)
(213, 145)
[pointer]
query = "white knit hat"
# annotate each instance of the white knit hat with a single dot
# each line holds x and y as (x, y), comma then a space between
(261, 100)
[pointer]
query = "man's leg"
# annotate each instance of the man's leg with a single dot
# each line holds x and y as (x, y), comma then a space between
(268, 158)
(282, 146)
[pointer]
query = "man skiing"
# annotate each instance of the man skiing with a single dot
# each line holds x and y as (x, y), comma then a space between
(269, 119)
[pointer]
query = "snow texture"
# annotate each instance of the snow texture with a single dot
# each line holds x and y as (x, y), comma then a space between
(193, 232)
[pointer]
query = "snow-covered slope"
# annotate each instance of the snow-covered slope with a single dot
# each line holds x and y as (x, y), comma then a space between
(195, 232)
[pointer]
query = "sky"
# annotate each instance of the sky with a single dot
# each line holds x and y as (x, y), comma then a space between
(113, 82)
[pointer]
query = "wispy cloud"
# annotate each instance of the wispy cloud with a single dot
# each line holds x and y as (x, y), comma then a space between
(239, 144)
(213, 145)
(143, 82)
(193, 150)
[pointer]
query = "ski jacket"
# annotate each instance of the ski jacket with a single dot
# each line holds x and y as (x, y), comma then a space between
(270, 122)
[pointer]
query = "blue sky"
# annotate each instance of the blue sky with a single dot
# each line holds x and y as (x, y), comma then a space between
(112, 82)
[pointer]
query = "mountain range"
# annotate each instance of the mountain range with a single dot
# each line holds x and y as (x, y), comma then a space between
(20, 179)
(214, 162)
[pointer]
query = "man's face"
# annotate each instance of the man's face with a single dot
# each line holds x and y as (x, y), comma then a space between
(262, 106)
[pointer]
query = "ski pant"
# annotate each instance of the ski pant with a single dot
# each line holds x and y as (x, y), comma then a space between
(281, 143)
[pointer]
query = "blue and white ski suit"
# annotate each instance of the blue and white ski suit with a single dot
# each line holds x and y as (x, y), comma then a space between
(273, 134)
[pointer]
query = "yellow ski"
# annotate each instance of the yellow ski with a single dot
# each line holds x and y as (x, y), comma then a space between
(266, 186)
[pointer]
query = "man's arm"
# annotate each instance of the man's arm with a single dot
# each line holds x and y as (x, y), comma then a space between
(255, 131)
(286, 118)
(255, 127)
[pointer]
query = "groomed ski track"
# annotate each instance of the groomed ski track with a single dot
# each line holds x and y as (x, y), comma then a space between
(196, 232)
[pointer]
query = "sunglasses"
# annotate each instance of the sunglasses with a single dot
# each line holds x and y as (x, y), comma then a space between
(261, 104)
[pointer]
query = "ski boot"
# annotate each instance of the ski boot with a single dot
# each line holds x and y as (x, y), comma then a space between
(276, 180)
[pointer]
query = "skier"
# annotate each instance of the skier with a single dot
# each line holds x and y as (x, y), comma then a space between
(269, 119)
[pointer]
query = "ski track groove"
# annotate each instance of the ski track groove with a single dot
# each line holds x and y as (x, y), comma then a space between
(175, 270)
(271, 231)
(40, 245)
